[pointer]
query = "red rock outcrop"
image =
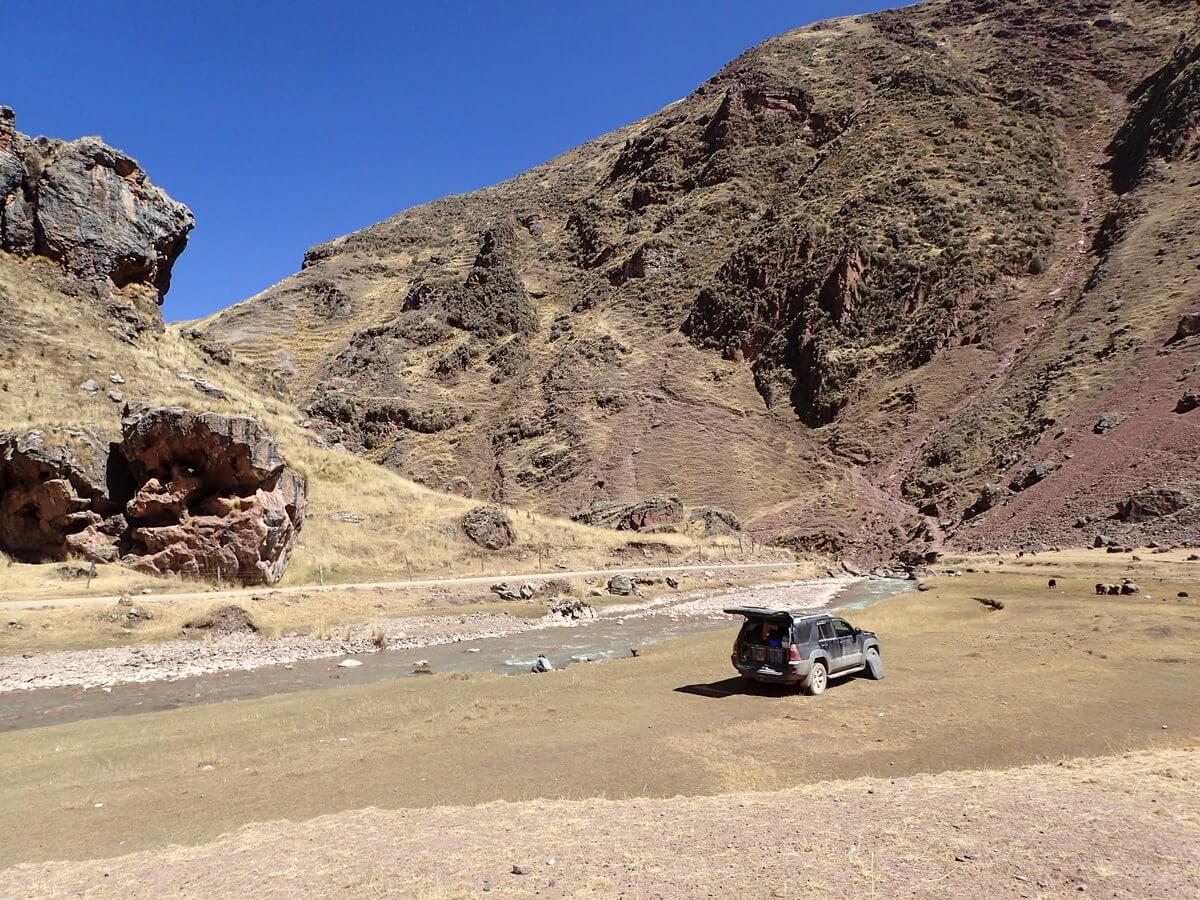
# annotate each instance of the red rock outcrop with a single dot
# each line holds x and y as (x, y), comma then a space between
(183, 493)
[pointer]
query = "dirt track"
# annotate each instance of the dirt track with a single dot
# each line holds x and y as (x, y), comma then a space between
(1115, 827)
(243, 593)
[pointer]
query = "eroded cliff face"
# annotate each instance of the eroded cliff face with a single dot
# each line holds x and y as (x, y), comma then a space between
(182, 493)
(91, 209)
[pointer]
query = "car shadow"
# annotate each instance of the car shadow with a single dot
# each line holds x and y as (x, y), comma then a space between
(741, 687)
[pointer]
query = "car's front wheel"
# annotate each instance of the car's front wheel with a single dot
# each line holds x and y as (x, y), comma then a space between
(816, 680)
(874, 664)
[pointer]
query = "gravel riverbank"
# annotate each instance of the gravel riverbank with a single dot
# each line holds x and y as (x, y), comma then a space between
(185, 658)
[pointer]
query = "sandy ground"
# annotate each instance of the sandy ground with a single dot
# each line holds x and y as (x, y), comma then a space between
(1123, 827)
(175, 660)
(1058, 673)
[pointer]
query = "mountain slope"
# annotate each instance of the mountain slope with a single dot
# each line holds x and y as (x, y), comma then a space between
(836, 290)
(87, 243)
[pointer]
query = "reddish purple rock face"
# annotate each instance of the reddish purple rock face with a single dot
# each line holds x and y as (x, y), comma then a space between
(183, 493)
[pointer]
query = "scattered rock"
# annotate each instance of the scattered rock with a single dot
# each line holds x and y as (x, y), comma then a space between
(1189, 401)
(116, 396)
(572, 608)
(116, 379)
(349, 517)
(1153, 503)
(489, 527)
(520, 870)
(990, 495)
(1034, 475)
(1107, 423)
(991, 604)
(1189, 326)
(673, 583)
(224, 620)
(621, 585)
(126, 613)
(90, 386)
(458, 487)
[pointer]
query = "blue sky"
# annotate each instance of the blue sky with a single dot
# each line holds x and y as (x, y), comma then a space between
(285, 124)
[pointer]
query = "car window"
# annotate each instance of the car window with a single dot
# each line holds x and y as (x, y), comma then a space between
(843, 628)
(826, 631)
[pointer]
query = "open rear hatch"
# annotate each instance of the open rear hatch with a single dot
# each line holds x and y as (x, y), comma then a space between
(765, 638)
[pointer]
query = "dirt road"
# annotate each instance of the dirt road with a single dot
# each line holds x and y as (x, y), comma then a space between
(234, 595)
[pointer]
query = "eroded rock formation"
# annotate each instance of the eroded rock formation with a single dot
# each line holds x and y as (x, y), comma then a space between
(88, 207)
(641, 515)
(182, 493)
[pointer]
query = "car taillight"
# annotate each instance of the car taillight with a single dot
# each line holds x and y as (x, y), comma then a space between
(793, 653)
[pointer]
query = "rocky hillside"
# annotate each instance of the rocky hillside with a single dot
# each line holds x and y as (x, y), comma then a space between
(91, 209)
(140, 447)
(869, 269)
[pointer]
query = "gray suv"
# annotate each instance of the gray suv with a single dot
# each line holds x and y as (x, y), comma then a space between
(776, 646)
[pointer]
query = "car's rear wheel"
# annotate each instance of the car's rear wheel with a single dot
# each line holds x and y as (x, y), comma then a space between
(874, 664)
(816, 680)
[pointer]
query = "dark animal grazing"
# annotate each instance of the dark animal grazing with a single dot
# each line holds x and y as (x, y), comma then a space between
(1053, 583)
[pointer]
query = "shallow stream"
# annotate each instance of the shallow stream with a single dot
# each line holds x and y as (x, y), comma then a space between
(589, 641)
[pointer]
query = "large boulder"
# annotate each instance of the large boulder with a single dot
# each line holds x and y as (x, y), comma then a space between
(990, 495)
(1038, 473)
(215, 499)
(183, 493)
(1153, 503)
(489, 527)
(1189, 326)
(88, 207)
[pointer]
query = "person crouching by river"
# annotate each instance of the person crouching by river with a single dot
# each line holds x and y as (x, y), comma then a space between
(542, 664)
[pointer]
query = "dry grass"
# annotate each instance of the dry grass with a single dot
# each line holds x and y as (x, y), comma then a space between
(407, 530)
